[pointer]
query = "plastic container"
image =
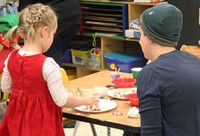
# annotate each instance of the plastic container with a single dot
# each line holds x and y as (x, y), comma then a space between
(133, 98)
(124, 61)
(124, 82)
(114, 75)
(93, 63)
(67, 57)
(78, 56)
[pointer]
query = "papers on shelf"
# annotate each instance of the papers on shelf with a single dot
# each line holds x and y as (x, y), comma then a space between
(151, 1)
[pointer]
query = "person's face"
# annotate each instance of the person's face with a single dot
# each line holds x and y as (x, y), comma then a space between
(145, 44)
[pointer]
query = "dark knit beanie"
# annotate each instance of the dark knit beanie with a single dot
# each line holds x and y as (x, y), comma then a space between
(162, 24)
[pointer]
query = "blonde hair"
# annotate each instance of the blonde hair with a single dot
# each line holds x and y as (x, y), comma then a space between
(30, 19)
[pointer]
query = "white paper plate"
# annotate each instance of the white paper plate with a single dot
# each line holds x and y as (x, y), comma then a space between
(104, 105)
(119, 93)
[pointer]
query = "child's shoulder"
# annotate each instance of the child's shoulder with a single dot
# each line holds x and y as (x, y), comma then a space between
(51, 61)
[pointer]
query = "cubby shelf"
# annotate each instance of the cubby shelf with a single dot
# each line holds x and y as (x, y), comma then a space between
(109, 43)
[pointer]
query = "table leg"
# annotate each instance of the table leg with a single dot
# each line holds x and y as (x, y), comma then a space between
(108, 131)
(93, 129)
(76, 127)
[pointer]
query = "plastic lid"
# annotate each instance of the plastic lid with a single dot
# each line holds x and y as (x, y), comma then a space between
(123, 56)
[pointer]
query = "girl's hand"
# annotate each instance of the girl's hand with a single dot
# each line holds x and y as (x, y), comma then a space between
(93, 99)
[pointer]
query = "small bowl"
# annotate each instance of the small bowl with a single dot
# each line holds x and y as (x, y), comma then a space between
(133, 98)
(124, 82)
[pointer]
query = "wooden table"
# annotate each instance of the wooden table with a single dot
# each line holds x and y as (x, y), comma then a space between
(102, 78)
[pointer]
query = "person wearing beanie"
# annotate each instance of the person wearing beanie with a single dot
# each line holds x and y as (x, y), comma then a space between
(169, 87)
(6, 23)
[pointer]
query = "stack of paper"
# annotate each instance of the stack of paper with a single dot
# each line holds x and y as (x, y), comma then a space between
(151, 1)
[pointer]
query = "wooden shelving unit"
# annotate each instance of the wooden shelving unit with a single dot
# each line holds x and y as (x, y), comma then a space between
(108, 43)
(104, 18)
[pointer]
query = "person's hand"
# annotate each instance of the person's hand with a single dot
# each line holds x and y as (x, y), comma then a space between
(92, 100)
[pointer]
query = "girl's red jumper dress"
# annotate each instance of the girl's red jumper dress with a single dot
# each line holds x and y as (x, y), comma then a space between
(3, 55)
(31, 110)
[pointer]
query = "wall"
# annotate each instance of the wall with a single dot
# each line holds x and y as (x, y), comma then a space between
(190, 34)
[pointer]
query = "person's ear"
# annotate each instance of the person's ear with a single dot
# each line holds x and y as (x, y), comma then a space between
(43, 31)
(152, 42)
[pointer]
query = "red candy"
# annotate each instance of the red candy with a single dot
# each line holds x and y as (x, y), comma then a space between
(116, 112)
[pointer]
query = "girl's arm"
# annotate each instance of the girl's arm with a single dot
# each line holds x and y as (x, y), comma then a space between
(6, 81)
(53, 77)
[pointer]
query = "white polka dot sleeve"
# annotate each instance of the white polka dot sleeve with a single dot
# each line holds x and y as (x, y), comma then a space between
(6, 81)
(53, 76)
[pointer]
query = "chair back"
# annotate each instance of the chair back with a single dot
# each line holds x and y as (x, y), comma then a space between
(4, 96)
(1, 47)
(64, 75)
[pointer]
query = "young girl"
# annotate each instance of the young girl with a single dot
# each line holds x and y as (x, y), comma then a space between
(6, 23)
(34, 80)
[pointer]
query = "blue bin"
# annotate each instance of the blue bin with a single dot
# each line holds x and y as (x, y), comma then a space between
(124, 61)
(67, 57)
